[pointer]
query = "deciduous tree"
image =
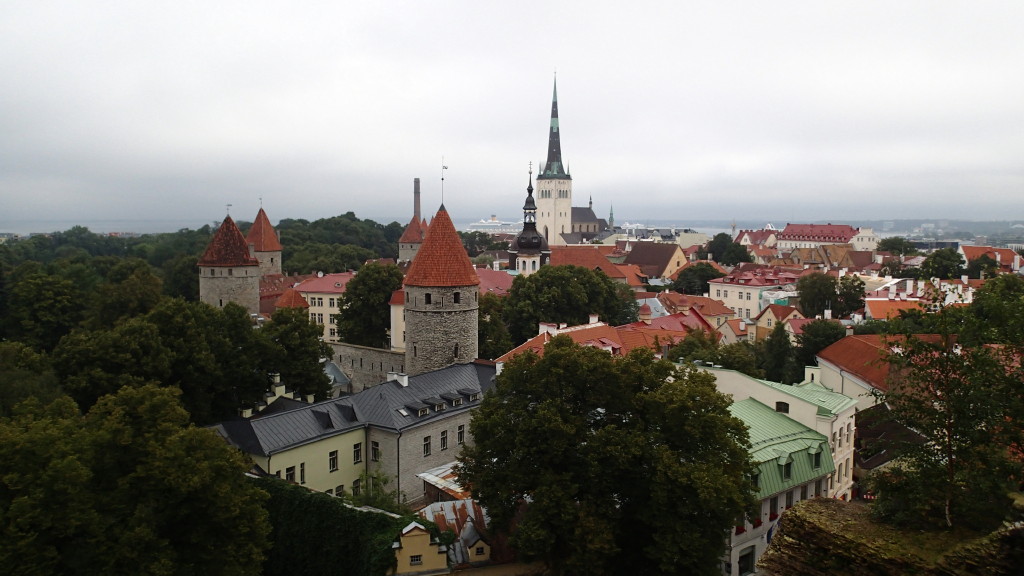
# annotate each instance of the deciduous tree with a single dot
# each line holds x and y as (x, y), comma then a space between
(944, 264)
(609, 465)
(694, 279)
(817, 294)
(365, 317)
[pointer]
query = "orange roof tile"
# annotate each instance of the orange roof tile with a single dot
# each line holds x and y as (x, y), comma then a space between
(591, 256)
(262, 235)
(291, 299)
(886, 309)
(413, 233)
(228, 247)
(442, 259)
(864, 356)
(326, 284)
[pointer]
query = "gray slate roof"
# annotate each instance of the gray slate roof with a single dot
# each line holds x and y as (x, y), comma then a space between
(377, 406)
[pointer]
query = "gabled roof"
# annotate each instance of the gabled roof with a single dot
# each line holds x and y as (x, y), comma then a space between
(778, 311)
(291, 299)
(796, 325)
(619, 340)
(494, 281)
(228, 247)
(441, 259)
(864, 357)
(885, 309)
(262, 235)
(655, 258)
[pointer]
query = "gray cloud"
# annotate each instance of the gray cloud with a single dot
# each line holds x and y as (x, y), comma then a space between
(776, 111)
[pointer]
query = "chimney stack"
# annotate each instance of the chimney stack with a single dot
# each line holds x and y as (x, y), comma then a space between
(416, 198)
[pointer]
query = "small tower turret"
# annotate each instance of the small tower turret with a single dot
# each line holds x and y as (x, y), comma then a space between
(228, 271)
(529, 250)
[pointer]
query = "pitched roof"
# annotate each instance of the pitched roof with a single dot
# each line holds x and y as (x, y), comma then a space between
(442, 259)
(326, 284)
(655, 258)
(413, 233)
(592, 256)
(862, 355)
(494, 281)
(228, 247)
(818, 232)
(262, 235)
(886, 309)
(291, 299)
(618, 340)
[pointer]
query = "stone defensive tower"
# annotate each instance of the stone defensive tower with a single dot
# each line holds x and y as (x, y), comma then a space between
(266, 246)
(228, 272)
(412, 237)
(441, 301)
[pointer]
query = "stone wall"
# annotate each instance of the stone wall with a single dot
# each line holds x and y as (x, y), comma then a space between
(366, 366)
(239, 284)
(439, 331)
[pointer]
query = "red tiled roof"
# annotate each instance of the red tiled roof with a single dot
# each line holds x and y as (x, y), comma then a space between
(1004, 256)
(818, 232)
(228, 247)
(796, 325)
(778, 310)
(886, 309)
(262, 235)
(291, 299)
(864, 356)
(590, 256)
(442, 259)
(756, 237)
(413, 232)
(326, 284)
(397, 298)
(494, 281)
(621, 340)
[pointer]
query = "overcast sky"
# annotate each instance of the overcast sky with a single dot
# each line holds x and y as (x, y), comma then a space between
(776, 111)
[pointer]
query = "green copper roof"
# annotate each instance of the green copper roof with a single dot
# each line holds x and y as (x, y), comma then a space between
(553, 168)
(777, 440)
(829, 403)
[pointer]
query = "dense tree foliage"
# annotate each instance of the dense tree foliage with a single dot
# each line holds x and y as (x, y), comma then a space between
(966, 403)
(700, 346)
(897, 245)
(816, 336)
(694, 279)
(346, 229)
(944, 264)
(723, 249)
(568, 294)
(129, 488)
(365, 317)
(493, 338)
(983, 266)
(609, 465)
(298, 352)
(476, 242)
(849, 296)
(817, 294)
(778, 357)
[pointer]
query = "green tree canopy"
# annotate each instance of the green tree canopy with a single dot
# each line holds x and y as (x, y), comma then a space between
(966, 404)
(777, 357)
(983, 266)
(608, 465)
(817, 335)
(493, 338)
(849, 296)
(817, 294)
(365, 317)
(897, 245)
(566, 294)
(129, 488)
(299, 353)
(694, 279)
(944, 264)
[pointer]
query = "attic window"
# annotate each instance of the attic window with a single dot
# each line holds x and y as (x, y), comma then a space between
(787, 471)
(439, 407)
(782, 407)
(456, 401)
(473, 397)
(817, 460)
(423, 412)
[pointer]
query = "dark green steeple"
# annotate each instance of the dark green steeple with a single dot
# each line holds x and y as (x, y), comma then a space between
(554, 168)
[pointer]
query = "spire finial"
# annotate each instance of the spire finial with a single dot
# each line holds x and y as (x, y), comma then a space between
(227, 209)
(443, 168)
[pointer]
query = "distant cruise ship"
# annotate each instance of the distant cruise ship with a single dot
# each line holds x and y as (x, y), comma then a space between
(495, 226)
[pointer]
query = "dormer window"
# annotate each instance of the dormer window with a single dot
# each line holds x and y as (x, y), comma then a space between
(473, 397)
(439, 407)
(817, 460)
(423, 412)
(787, 471)
(456, 402)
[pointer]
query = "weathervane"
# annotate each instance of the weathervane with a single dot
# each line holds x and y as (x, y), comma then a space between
(443, 168)
(228, 209)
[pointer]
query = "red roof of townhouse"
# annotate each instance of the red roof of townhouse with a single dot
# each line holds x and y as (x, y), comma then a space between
(864, 356)
(1005, 257)
(441, 259)
(326, 284)
(228, 247)
(779, 311)
(759, 276)
(494, 281)
(796, 325)
(291, 299)
(818, 232)
(879, 309)
(617, 340)
(756, 237)
(591, 256)
(262, 235)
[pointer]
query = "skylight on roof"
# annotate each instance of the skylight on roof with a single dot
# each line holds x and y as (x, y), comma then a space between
(403, 412)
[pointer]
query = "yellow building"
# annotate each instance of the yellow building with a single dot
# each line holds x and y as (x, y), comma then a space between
(419, 553)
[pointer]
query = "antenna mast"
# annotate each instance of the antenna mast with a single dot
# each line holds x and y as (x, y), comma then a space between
(443, 168)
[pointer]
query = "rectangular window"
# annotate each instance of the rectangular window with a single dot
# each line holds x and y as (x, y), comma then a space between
(340, 490)
(479, 550)
(773, 507)
(357, 453)
(426, 298)
(289, 473)
(817, 460)
(329, 492)
(444, 440)
(461, 434)
(302, 473)
(756, 480)
(334, 332)
(782, 407)
(357, 486)
(330, 302)
(787, 470)
(415, 559)
(803, 492)
(426, 445)
(769, 322)
(332, 461)
(789, 499)
(817, 487)
(457, 297)
(375, 451)
(725, 293)
(748, 295)
(718, 293)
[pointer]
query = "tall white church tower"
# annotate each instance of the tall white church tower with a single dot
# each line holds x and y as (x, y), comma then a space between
(554, 187)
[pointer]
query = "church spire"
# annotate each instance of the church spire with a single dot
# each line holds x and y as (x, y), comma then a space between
(554, 168)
